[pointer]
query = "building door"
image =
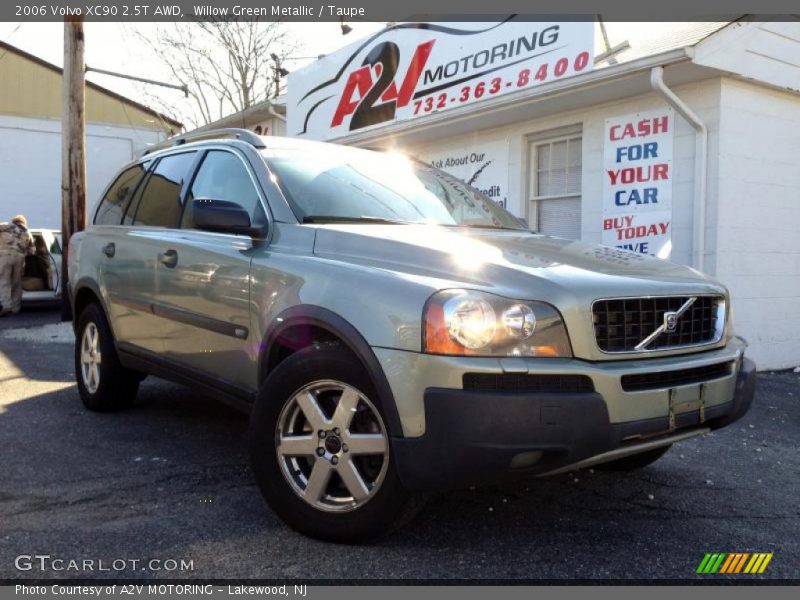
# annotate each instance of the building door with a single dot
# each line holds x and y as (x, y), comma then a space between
(554, 198)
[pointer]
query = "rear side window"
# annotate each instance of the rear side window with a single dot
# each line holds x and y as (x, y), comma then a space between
(223, 176)
(115, 202)
(160, 204)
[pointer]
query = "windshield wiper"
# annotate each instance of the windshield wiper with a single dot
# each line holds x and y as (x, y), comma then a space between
(335, 219)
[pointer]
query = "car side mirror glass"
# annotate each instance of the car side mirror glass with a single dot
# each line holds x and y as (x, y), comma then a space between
(222, 216)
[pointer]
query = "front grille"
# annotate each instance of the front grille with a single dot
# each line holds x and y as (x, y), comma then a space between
(622, 324)
(666, 379)
(523, 382)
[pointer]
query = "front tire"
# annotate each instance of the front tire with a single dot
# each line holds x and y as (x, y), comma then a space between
(103, 383)
(320, 449)
(635, 461)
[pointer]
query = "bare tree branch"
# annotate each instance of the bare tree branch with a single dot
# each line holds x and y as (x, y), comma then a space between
(225, 64)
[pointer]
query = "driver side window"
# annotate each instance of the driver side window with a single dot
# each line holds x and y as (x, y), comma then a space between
(223, 176)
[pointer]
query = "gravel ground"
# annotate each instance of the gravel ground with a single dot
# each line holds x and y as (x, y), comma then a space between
(170, 479)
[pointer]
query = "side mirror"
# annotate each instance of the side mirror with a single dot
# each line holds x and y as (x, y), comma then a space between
(222, 216)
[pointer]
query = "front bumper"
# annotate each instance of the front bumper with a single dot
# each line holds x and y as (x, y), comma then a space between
(477, 436)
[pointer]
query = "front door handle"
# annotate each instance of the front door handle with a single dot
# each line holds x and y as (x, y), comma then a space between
(169, 258)
(110, 250)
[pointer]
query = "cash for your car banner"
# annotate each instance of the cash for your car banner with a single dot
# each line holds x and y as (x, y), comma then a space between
(637, 182)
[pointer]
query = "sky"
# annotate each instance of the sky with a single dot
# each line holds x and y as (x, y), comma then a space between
(113, 47)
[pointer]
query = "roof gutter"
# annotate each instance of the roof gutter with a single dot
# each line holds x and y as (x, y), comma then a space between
(257, 112)
(271, 111)
(700, 164)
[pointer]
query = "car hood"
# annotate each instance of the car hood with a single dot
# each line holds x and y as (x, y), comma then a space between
(567, 274)
(511, 262)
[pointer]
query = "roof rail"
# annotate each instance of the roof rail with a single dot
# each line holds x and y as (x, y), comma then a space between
(244, 135)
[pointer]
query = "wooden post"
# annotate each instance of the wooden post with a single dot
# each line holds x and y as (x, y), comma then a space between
(73, 148)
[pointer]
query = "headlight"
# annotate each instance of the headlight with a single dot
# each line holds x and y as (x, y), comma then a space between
(464, 322)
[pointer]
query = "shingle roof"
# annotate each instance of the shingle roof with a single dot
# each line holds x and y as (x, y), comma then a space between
(670, 37)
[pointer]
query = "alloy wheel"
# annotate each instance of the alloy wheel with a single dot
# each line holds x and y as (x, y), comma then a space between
(332, 446)
(91, 358)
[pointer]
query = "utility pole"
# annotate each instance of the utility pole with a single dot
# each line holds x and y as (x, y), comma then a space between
(279, 72)
(73, 148)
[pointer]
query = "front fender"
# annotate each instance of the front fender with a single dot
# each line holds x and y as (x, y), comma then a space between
(305, 315)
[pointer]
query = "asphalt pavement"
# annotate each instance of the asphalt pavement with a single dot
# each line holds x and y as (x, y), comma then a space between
(169, 479)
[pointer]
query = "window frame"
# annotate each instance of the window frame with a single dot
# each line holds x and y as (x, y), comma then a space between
(133, 198)
(246, 154)
(190, 171)
(534, 141)
(195, 170)
(137, 196)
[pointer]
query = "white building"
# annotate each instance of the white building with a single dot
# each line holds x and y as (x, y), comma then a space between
(117, 130)
(729, 201)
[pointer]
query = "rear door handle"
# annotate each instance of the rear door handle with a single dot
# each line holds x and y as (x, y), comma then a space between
(110, 250)
(169, 258)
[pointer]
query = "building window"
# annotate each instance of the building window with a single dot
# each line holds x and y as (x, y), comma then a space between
(555, 183)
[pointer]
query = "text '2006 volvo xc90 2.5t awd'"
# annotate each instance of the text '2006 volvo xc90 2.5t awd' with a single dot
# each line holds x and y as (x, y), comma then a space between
(391, 330)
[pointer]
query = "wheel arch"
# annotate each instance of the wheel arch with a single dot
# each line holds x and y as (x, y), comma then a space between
(87, 292)
(317, 324)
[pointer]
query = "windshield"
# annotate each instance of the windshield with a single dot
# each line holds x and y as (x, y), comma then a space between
(348, 184)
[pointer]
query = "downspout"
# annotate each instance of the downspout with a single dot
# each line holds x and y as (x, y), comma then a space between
(700, 164)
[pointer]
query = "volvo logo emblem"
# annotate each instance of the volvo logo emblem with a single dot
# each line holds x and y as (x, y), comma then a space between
(670, 321)
(669, 325)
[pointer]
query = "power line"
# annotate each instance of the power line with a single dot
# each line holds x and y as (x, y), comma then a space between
(8, 39)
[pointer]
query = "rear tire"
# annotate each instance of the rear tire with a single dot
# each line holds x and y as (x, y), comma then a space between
(103, 383)
(326, 477)
(635, 461)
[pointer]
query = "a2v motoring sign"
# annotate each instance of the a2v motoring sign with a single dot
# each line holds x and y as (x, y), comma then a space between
(410, 70)
(637, 182)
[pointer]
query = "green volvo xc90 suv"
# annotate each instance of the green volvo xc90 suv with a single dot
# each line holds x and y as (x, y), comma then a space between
(390, 330)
